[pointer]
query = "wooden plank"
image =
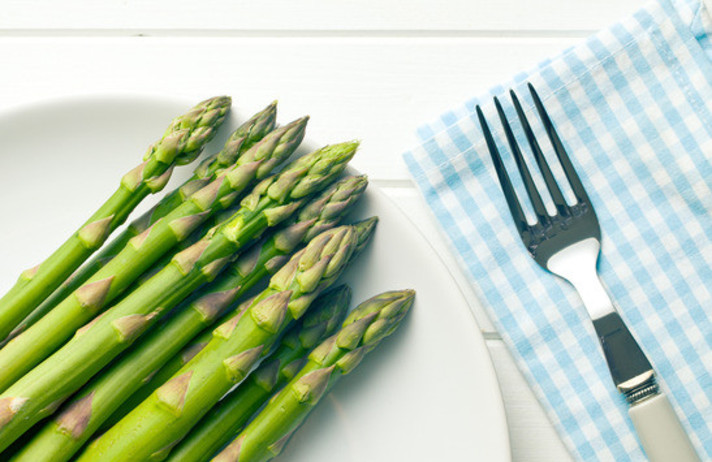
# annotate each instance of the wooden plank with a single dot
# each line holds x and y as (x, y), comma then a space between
(532, 436)
(132, 16)
(374, 89)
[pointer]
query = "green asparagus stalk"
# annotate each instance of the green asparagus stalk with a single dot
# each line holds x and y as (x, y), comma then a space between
(242, 139)
(364, 231)
(180, 144)
(229, 415)
(265, 437)
(32, 346)
(163, 419)
(39, 392)
(336, 198)
(321, 214)
(60, 438)
(214, 220)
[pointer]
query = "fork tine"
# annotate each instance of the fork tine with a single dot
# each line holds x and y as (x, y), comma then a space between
(515, 208)
(566, 164)
(551, 184)
(529, 185)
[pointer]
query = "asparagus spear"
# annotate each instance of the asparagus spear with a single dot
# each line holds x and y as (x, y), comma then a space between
(242, 139)
(364, 231)
(180, 144)
(226, 418)
(60, 438)
(214, 220)
(41, 339)
(161, 421)
(40, 391)
(248, 271)
(265, 437)
(205, 227)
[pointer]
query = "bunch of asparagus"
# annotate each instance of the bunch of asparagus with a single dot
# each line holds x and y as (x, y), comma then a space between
(118, 357)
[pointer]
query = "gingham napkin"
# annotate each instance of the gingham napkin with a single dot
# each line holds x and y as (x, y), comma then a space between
(633, 105)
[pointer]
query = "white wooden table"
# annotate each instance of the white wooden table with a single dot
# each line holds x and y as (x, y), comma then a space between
(369, 69)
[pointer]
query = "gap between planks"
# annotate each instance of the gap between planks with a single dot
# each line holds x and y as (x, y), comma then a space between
(278, 33)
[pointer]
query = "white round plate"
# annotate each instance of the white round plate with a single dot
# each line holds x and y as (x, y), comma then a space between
(428, 393)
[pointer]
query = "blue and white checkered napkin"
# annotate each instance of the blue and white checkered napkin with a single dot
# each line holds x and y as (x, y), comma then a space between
(633, 105)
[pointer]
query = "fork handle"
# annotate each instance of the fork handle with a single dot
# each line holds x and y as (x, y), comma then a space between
(658, 427)
(660, 431)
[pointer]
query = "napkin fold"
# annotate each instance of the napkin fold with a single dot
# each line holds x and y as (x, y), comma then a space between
(633, 105)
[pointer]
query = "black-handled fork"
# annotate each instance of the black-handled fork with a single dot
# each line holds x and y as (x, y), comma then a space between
(568, 244)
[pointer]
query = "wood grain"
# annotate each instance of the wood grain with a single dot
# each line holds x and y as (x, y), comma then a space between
(211, 16)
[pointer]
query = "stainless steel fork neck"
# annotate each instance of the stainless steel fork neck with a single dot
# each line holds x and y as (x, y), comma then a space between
(630, 369)
(577, 264)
